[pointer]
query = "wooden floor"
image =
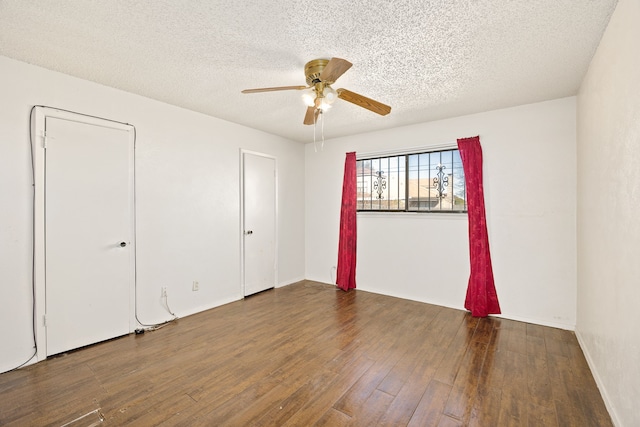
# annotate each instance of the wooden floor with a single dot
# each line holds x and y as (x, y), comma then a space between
(308, 354)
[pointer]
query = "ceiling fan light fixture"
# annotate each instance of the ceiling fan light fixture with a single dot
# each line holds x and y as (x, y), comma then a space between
(308, 97)
(321, 103)
(324, 105)
(330, 94)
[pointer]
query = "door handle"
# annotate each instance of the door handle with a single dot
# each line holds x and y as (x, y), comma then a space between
(248, 232)
(123, 244)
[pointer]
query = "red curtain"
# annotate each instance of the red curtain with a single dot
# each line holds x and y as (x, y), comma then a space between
(481, 299)
(346, 274)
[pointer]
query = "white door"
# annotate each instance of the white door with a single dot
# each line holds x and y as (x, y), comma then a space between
(259, 234)
(88, 233)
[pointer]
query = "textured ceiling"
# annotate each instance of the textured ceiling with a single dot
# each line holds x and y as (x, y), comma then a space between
(427, 59)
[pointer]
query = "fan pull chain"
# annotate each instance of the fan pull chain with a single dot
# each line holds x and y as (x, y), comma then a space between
(315, 147)
(322, 131)
(315, 121)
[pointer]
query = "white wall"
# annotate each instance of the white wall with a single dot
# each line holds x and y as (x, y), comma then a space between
(608, 206)
(530, 190)
(187, 185)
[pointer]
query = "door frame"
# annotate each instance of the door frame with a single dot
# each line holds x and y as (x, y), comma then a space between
(242, 230)
(38, 143)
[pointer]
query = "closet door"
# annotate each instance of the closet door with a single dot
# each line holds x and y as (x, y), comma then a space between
(89, 242)
(259, 207)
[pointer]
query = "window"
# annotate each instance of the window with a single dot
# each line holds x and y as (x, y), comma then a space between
(416, 182)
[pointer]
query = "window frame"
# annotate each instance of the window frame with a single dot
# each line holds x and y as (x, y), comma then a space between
(374, 156)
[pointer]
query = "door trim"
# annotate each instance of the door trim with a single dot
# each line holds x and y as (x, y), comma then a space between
(242, 274)
(38, 141)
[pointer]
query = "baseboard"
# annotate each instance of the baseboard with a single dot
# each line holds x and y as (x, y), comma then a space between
(559, 325)
(34, 359)
(290, 282)
(214, 305)
(603, 391)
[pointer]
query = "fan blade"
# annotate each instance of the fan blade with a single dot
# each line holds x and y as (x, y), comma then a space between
(273, 89)
(311, 115)
(334, 69)
(364, 102)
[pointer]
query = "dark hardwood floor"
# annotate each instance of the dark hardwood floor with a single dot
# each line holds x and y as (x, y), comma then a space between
(308, 354)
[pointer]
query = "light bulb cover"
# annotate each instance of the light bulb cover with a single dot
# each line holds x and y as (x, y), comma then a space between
(330, 94)
(308, 97)
(324, 105)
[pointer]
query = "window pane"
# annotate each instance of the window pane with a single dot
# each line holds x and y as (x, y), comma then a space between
(420, 195)
(378, 184)
(413, 187)
(402, 182)
(361, 183)
(458, 185)
(364, 171)
(381, 183)
(420, 182)
(395, 174)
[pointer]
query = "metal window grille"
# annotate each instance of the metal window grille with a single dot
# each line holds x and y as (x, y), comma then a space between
(417, 182)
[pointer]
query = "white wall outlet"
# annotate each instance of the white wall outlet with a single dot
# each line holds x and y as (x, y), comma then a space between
(196, 286)
(163, 291)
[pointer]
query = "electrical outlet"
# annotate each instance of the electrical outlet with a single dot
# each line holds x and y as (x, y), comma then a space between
(196, 286)
(163, 291)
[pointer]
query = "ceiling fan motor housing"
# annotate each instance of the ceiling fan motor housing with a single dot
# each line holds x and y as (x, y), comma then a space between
(313, 69)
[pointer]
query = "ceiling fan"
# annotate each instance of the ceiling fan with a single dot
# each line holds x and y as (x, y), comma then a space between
(320, 75)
